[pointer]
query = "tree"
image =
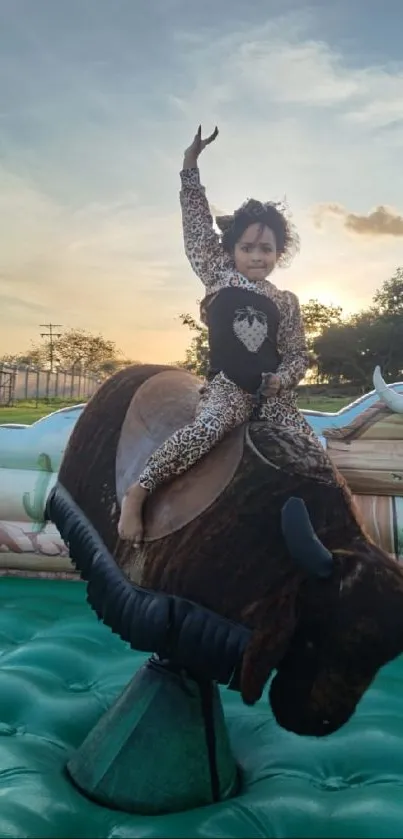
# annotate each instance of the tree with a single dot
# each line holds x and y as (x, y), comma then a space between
(350, 351)
(381, 341)
(388, 300)
(342, 355)
(197, 354)
(80, 349)
(29, 358)
(75, 350)
(317, 317)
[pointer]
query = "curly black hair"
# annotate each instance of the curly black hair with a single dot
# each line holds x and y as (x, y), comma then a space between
(271, 214)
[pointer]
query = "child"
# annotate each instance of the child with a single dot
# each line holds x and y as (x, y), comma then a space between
(256, 335)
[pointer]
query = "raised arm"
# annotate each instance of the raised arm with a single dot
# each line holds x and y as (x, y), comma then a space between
(202, 244)
(291, 344)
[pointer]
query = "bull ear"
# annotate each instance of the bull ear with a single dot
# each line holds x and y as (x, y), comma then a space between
(313, 695)
(268, 644)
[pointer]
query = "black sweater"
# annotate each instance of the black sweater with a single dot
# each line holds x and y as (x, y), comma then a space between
(242, 328)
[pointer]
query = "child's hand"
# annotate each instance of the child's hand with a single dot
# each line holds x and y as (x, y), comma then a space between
(270, 384)
(197, 146)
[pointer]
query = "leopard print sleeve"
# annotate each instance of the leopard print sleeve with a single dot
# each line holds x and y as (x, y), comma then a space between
(202, 244)
(291, 343)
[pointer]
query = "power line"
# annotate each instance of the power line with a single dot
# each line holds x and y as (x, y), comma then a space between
(51, 337)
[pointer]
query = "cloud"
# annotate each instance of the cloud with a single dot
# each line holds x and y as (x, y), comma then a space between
(115, 267)
(90, 214)
(279, 63)
(296, 116)
(382, 221)
(54, 250)
(14, 306)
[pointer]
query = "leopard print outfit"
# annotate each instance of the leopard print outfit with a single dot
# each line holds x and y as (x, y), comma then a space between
(223, 405)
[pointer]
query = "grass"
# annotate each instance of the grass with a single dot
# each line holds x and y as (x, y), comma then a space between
(28, 412)
(325, 403)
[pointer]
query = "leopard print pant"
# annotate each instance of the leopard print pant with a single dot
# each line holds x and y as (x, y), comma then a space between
(222, 407)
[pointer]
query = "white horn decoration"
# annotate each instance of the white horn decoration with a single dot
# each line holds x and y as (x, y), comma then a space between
(389, 397)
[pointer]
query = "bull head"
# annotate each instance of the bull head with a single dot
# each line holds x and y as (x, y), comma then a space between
(350, 624)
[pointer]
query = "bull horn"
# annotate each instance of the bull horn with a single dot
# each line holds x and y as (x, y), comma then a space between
(389, 397)
(302, 541)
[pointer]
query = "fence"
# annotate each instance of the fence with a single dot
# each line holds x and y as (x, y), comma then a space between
(29, 383)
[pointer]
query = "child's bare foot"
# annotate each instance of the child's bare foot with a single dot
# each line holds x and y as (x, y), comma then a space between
(130, 527)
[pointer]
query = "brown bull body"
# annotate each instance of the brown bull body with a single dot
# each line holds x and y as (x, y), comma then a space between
(326, 638)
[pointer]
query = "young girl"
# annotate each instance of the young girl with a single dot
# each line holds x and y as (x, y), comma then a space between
(256, 337)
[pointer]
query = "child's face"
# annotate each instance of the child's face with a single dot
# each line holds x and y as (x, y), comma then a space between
(255, 253)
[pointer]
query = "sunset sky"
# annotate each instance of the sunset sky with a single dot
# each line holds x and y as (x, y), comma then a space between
(98, 99)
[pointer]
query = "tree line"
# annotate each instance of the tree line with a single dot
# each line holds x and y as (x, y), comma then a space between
(343, 349)
(73, 351)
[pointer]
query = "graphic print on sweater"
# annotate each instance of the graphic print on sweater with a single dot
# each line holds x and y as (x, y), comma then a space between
(250, 327)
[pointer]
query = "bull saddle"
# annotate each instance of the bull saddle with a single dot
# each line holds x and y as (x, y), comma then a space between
(161, 405)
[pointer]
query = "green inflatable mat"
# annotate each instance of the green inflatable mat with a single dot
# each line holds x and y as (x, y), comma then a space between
(60, 669)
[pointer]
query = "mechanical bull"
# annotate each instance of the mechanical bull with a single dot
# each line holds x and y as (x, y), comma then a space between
(262, 534)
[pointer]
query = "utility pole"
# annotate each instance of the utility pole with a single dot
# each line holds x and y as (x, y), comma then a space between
(51, 336)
